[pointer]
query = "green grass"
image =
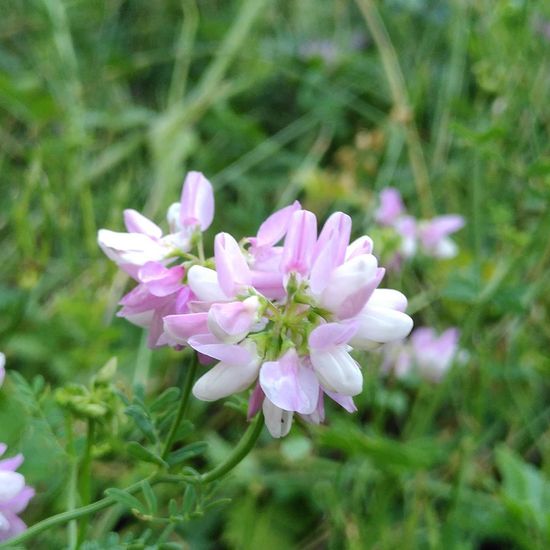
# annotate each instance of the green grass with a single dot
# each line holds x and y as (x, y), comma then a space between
(104, 105)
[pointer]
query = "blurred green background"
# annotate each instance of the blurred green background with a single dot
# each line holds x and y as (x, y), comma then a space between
(104, 105)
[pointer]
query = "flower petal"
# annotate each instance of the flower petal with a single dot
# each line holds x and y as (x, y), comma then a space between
(182, 327)
(138, 223)
(337, 370)
(197, 201)
(277, 420)
(233, 271)
(290, 385)
(204, 284)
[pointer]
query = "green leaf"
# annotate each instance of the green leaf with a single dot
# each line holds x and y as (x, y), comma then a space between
(150, 497)
(141, 453)
(189, 451)
(173, 507)
(125, 498)
(143, 422)
(189, 498)
(165, 399)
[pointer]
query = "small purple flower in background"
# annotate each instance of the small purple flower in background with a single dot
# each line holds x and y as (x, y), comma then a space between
(14, 495)
(2, 367)
(427, 353)
(431, 237)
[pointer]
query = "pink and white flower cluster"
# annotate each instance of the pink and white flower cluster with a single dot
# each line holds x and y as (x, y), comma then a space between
(279, 312)
(431, 237)
(426, 352)
(14, 493)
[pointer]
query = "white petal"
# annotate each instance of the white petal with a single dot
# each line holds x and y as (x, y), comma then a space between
(380, 324)
(337, 370)
(130, 248)
(387, 297)
(277, 420)
(204, 284)
(347, 279)
(11, 484)
(223, 380)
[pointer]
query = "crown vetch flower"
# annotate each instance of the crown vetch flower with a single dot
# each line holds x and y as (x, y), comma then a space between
(282, 317)
(428, 353)
(431, 236)
(14, 495)
(295, 343)
(160, 264)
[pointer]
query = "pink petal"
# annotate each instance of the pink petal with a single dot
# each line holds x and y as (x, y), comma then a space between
(440, 227)
(138, 223)
(270, 284)
(338, 227)
(274, 228)
(332, 334)
(290, 385)
(181, 327)
(255, 401)
(197, 201)
(299, 243)
(391, 206)
(362, 245)
(345, 401)
(231, 354)
(233, 271)
(12, 463)
(161, 281)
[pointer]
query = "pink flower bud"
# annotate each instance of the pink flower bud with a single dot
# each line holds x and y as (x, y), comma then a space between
(197, 202)
(233, 271)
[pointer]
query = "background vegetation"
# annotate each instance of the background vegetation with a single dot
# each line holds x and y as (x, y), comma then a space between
(104, 105)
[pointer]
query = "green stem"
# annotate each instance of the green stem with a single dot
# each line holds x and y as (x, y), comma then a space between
(65, 517)
(402, 108)
(184, 402)
(241, 450)
(239, 453)
(72, 527)
(85, 479)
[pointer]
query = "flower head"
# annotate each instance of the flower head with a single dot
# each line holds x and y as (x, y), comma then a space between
(14, 496)
(428, 353)
(431, 237)
(293, 341)
(160, 264)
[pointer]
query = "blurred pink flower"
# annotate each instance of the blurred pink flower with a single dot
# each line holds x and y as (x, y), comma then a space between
(430, 237)
(427, 353)
(14, 496)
